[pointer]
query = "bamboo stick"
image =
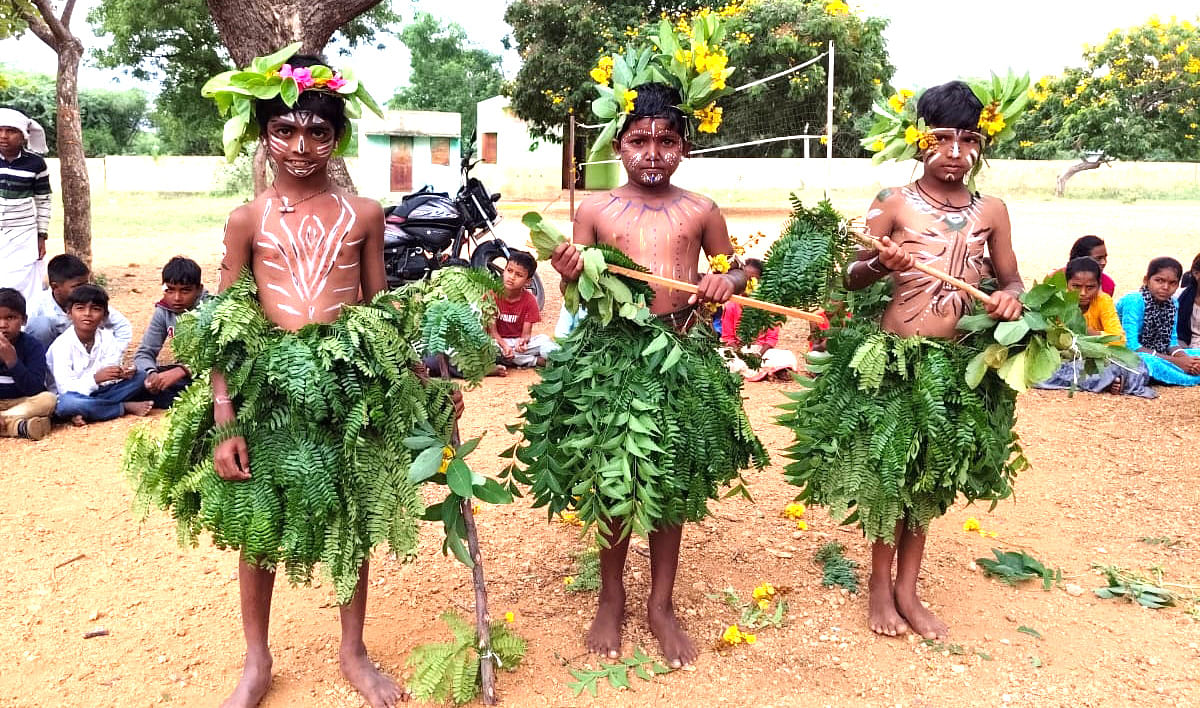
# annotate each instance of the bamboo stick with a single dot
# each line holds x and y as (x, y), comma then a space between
(927, 270)
(739, 299)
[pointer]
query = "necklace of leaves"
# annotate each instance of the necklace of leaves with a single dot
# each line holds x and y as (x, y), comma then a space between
(288, 207)
(941, 204)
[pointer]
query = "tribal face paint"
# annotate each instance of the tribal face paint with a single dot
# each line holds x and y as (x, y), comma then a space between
(300, 142)
(953, 153)
(651, 151)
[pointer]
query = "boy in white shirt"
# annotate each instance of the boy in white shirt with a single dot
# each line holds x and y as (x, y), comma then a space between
(85, 361)
(48, 309)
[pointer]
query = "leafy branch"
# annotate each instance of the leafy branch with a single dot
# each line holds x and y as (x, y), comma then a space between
(617, 674)
(1012, 567)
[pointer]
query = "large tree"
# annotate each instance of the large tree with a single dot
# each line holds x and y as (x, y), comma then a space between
(560, 41)
(55, 30)
(447, 74)
(1137, 97)
(178, 43)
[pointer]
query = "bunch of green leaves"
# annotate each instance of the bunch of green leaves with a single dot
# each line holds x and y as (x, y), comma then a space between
(587, 571)
(436, 462)
(1051, 331)
(450, 670)
(456, 306)
(634, 423)
(751, 615)
(603, 294)
(236, 91)
(323, 410)
(617, 674)
(1136, 587)
(1012, 567)
(908, 448)
(801, 267)
(836, 568)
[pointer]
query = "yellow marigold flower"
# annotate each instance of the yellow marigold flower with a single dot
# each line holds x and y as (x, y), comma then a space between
(971, 524)
(732, 635)
(744, 38)
(751, 286)
(710, 118)
(911, 134)
(700, 56)
(683, 56)
(824, 140)
(474, 508)
(1193, 66)
(716, 62)
(1026, 143)
(764, 604)
(632, 32)
(447, 456)
(749, 638)
(896, 103)
(603, 71)
(719, 263)
(802, 525)
(509, 617)
(627, 99)
(876, 81)
(794, 510)
(837, 8)
(765, 590)
(877, 146)
(569, 580)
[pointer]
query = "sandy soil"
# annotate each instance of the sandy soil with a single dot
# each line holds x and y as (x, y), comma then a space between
(1107, 472)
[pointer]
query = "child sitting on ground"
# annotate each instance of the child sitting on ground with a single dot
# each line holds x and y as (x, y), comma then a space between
(513, 328)
(85, 361)
(775, 362)
(1148, 317)
(48, 310)
(1188, 324)
(25, 405)
(181, 291)
(1083, 276)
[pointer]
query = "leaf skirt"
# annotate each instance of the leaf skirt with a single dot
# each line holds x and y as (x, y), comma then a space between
(888, 431)
(324, 412)
(635, 426)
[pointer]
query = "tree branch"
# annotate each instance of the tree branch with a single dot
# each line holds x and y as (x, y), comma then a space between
(36, 23)
(66, 15)
(56, 27)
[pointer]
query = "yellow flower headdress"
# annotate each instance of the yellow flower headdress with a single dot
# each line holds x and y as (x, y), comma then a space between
(898, 134)
(694, 62)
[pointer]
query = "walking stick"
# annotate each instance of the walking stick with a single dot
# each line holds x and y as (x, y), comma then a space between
(487, 670)
(966, 287)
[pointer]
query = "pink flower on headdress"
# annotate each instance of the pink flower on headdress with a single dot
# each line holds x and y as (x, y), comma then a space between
(335, 83)
(303, 77)
(285, 71)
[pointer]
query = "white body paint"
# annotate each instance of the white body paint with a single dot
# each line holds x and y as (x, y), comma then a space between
(308, 253)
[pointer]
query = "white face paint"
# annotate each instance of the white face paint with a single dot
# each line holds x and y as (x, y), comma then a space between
(651, 151)
(300, 142)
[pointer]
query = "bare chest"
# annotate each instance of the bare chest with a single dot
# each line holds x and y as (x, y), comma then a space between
(663, 236)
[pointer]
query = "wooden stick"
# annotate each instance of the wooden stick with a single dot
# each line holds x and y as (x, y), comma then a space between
(739, 299)
(928, 270)
(483, 629)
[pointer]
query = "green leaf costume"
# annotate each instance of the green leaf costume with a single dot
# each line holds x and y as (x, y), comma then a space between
(324, 411)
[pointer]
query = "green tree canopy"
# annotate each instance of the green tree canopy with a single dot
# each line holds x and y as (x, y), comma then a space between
(447, 73)
(1135, 98)
(177, 43)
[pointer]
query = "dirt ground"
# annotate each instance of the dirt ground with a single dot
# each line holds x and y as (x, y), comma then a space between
(1107, 472)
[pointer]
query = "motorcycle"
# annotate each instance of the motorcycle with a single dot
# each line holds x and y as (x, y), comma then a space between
(429, 230)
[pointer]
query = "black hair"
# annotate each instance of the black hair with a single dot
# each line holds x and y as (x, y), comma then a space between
(1164, 263)
(526, 261)
(1083, 264)
(64, 267)
(181, 270)
(656, 100)
(754, 263)
(88, 294)
(13, 300)
(328, 105)
(950, 105)
(1084, 245)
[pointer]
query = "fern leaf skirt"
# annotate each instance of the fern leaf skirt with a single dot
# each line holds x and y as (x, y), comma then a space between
(324, 412)
(635, 425)
(890, 432)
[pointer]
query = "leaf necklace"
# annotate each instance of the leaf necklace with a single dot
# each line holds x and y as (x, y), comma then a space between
(287, 207)
(941, 204)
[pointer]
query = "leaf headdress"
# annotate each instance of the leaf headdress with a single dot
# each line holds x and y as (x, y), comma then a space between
(271, 76)
(898, 134)
(693, 61)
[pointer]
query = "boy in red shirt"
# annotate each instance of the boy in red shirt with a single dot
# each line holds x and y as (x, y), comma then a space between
(513, 327)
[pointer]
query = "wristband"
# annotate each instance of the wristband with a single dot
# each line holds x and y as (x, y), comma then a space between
(222, 400)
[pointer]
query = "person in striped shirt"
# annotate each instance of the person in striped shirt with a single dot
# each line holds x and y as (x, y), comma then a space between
(24, 202)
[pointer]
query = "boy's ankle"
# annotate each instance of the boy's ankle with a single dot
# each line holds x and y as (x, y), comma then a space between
(34, 428)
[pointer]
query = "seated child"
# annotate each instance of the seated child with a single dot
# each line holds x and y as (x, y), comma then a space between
(513, 328)
(25, 405)
(1148, 317)
(181, 291)
(85, 361)
(1188, 326)
(775, 362)
(48, 310)
(1083, 276)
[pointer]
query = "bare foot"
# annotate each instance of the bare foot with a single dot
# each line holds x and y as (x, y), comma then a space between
(379, 690)
(920, 619)
(139, 408)
(499, 370)
(882, 615)
(256, 679)
(78, 421)
(676, 647)
(1116, 386)
(604, 637)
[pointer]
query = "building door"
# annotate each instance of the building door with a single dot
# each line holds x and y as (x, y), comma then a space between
(401, 163)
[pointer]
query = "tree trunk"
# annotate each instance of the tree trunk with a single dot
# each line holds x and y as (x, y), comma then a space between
(76, 189)
(251, 28)
(1061, 187)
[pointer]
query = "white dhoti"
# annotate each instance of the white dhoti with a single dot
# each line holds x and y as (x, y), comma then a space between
(19, 265)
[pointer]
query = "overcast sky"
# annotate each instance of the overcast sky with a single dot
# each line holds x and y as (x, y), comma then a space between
(1038, 36)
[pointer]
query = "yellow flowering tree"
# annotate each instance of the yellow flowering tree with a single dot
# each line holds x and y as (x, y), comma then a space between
(1136, 97)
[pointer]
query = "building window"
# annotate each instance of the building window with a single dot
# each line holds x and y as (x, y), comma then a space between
(489, 148)
(439, 151)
